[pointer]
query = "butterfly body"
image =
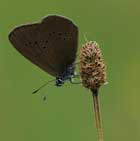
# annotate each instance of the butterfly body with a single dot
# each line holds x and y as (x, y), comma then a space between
(67, 75)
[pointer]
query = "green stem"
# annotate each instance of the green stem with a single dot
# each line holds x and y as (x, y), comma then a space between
(98, 119)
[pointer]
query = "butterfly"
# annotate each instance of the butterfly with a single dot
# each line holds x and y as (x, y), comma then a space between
(50, 44)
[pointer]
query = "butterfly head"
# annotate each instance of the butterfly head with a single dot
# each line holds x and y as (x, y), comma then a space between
(59, 81)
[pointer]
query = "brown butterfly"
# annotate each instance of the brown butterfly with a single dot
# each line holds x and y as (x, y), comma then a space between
(51, 45)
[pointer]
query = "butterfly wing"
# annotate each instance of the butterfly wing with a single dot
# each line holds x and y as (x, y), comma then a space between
(51, 44)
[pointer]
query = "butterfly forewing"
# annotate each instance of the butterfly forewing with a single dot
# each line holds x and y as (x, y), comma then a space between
(51, 44)
(25, 40)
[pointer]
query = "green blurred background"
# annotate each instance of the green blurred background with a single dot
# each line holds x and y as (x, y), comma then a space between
(68, 114)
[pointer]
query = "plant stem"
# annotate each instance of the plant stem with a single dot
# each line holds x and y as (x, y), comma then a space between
(98, 119)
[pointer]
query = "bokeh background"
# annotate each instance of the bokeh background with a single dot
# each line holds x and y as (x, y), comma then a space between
(67, 115)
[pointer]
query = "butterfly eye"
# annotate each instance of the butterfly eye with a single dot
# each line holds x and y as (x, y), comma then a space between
(44, 47)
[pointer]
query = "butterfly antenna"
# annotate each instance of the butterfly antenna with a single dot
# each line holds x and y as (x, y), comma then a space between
(34, 92)
(86, 40)
(85, 37)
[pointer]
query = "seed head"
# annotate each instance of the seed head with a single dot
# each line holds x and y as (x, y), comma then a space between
(92, 67)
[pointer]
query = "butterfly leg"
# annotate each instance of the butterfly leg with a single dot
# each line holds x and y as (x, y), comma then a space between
(72, 82)
(75, 76)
